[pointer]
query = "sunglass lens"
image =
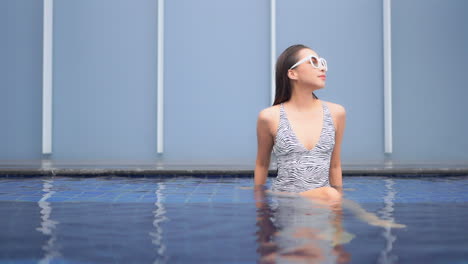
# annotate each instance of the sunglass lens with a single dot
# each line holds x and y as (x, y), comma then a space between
(324, 63)
(314, 61)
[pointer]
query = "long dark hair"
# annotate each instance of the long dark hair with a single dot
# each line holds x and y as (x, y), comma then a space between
(284, 62)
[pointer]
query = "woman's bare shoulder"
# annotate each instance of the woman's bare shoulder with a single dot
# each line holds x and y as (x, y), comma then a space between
(269, 114)
(336, 109)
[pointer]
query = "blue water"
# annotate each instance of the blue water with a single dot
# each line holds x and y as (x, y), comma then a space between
(222, 220)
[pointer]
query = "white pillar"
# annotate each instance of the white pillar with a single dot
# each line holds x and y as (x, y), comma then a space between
(47, 77)
(387, 41)
(160, 76)
(272, 48)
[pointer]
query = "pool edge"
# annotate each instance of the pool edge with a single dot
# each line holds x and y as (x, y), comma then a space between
(138, 172)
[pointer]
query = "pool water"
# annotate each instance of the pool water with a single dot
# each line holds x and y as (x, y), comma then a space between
(223, 220)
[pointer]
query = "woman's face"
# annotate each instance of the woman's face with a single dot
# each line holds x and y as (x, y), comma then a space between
(305, 73)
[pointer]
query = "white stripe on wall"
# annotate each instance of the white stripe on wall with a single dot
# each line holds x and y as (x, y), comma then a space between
(387, 40)
(272, 48)
(160, 92)
(47, 77)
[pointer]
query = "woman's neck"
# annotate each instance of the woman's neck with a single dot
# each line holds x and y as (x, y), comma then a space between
(302, 99)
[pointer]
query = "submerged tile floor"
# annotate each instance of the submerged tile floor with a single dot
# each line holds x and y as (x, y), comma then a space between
(216, 189)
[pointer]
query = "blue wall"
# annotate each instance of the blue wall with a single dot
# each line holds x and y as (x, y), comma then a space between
(430, 66)
(217, 68)
(104, 79)
(217, 77)
(20, 79)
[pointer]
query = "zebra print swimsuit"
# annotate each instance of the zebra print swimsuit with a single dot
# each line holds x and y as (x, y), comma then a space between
(300, 169)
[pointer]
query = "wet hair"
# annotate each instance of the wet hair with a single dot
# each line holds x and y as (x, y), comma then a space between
(283, 84)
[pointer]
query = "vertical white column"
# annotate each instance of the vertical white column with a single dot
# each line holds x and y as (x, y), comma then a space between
(387, 41)
(160, 92)
(47, 77)
(272, 48)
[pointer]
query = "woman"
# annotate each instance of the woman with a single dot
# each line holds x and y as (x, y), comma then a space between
(304, 131)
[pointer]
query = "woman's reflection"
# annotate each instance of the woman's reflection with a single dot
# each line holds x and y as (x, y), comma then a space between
(299, 230)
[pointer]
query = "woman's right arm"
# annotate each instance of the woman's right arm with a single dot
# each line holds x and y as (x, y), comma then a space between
(264, 147)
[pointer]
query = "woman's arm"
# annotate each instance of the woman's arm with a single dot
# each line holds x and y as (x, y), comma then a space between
(264, 147)
(336, 177)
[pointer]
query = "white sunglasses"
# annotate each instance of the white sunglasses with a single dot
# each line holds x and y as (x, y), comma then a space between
(314, 61)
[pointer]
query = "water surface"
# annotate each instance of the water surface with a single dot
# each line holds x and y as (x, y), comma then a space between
(218, 220)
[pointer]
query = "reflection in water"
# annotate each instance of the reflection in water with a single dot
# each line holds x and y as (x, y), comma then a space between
(159, 217)
(48, 225)
(298, 230)
(387, 213)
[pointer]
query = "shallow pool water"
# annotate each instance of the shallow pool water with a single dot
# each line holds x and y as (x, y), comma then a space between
(222, 220)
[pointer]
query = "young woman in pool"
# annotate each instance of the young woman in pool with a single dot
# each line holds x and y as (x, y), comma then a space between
(304, 132)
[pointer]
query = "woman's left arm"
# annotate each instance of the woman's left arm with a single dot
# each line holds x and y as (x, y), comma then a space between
(336, 177)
